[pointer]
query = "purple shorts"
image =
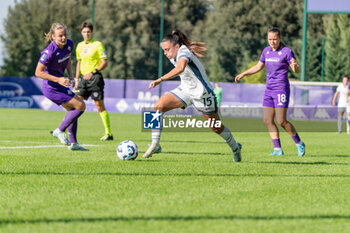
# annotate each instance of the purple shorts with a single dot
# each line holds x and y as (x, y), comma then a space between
(58, 95)
(276, 99)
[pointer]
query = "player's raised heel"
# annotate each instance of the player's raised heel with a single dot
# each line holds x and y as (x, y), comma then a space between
(277, 152)
(77, 146)
(61, 136)
(301, 149)
(150, 150)
(237, 153)
(158, 149)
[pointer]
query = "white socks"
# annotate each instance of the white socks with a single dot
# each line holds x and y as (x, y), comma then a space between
(227, 136)
(157, 132)
(156, 135)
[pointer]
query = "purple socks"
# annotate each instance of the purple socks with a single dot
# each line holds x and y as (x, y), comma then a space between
(70, 122)
(276, 143)
(72, 131)
(296, 138)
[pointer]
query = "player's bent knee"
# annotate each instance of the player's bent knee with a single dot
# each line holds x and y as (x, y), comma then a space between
(268, 121)
(282, 122)
(218, 130)
(159, 107)
(81, 106)
(100, 108)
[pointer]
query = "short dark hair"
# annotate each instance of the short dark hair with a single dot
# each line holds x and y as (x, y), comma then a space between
(275, 30)
(278, 31)
(87, 25)
(346, 76)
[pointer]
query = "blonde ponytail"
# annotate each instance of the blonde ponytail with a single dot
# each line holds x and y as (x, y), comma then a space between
(54, 27)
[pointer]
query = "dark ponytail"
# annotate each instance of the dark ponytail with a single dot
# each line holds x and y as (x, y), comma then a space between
(177, 37)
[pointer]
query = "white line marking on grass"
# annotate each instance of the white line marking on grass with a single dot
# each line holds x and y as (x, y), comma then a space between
(8, 141)
(35, 147)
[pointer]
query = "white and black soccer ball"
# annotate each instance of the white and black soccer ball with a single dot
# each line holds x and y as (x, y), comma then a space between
(127, 150)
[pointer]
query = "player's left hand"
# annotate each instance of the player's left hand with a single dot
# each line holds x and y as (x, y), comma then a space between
(294, 65)
(87, 76)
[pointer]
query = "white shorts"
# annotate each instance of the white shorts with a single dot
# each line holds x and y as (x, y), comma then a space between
(205, 103)
(344, 108)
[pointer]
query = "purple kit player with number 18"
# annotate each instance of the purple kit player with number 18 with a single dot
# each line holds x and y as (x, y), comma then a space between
(54, 59)
(277, 58)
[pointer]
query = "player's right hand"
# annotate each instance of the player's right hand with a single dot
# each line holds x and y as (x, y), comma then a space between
(64, 81)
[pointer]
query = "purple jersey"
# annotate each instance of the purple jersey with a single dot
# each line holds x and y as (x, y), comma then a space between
(56, 60)
(277, 65)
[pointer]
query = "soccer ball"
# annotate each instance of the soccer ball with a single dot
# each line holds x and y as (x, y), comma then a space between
(127, 150)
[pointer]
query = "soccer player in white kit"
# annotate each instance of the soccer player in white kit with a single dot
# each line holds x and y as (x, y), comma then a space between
(195, 88)
(343, 105)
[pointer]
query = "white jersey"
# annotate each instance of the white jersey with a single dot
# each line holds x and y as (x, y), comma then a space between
(342, 95)
(193, 79)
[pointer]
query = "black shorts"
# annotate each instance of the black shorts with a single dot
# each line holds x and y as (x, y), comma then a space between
(92, 87)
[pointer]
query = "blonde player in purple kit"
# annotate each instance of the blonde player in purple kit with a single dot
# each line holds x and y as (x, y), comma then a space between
(54, 60)
(277, 58)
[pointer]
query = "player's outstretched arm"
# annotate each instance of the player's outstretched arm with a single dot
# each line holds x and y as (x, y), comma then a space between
(253, 70)
(180, 67)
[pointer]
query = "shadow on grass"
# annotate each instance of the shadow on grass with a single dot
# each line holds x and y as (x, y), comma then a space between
(48, 173)
(173, 218)
(303, 163)
(329, 156)
(194, 153)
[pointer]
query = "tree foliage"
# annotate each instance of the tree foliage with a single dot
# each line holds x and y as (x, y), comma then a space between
(337, 51)
(234, 32)
(25, 26)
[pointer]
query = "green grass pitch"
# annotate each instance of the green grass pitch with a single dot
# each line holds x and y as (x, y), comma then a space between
(193, 186)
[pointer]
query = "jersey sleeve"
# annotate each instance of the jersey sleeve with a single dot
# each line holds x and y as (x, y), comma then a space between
(184, 52)
(101, 51)
(338, 88)
(45, 57)
(77, 52)
(262, 57)
(289, 56)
